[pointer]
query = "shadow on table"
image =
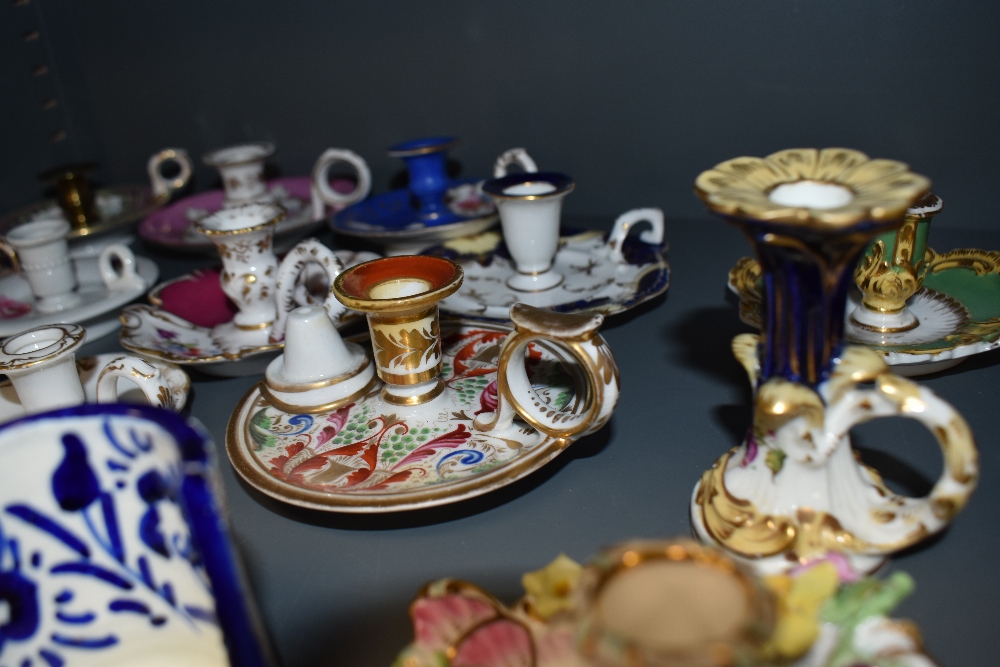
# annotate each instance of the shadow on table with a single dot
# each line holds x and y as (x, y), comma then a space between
(586, 447)
(975, 362)
(702, 341)
(623, 319)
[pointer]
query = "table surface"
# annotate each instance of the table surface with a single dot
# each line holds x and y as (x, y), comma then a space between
(335, 589)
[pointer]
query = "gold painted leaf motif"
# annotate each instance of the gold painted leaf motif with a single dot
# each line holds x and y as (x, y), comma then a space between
(409, 349)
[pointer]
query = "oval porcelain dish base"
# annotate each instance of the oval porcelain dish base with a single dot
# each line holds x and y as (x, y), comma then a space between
(118, 208)
(18, 314)
(370, 456)
(916, 370)
(391, 220)
(591, 280)
(173, 226)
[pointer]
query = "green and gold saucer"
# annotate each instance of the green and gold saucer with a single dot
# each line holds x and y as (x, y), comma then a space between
(958, 308)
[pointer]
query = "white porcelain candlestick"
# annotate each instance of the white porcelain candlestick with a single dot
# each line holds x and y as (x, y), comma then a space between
(530, 205)
(242, 170)
(41, 251)
(243, 237)
(41, 364)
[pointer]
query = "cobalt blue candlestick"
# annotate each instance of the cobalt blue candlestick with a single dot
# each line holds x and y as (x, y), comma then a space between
(806, 280)
(426, 160)
(809, 213)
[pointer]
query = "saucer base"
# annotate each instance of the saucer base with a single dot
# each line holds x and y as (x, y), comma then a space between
(535, 282)
(373, 456)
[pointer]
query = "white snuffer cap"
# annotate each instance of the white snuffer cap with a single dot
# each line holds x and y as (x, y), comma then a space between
(318, 369)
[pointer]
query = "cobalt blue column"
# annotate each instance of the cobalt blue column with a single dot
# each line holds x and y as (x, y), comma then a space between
(426, 160)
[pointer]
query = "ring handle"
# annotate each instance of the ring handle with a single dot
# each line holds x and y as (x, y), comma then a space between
(292, 269)
(574, 333)
(125, 276)
(624, 224)
(894, 396)
(163, 188)
(322, 193)
(513, 156)
(145, 375)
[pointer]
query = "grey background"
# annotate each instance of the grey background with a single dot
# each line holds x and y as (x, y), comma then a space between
(631, 98)
(334, 589)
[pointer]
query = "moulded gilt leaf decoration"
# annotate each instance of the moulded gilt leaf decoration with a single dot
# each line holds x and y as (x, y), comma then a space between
(882, 189)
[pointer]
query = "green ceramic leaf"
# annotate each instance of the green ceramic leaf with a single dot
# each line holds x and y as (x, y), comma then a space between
(775, 459)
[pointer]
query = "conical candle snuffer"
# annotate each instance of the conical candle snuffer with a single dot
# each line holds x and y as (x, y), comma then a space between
(317, 371)
(793, 491)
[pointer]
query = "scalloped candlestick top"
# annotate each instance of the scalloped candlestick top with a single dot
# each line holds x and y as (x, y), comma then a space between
(829, 187)
(794, 207)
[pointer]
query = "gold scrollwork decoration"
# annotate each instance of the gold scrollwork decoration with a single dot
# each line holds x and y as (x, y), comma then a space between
(886, 285)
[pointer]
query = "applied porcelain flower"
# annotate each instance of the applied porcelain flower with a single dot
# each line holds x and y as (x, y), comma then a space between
(551, 589)
(800, 600)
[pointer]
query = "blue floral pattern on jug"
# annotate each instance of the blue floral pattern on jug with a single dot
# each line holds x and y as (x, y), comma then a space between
(102, 512)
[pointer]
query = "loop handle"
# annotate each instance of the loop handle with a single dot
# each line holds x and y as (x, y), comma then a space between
(513, 156)
(321, 191)
(163, 188)
(291, 293)
(125, 276)
(894, 396)
(624, 224)
(145, 375)
(577, 335)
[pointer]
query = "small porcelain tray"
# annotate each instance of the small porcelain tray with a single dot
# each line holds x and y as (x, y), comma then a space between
(369, 457)
(177, 380)
(593, 280)
(17, 311)
(117, 207)
(457, 624)
(390, 219)
(163, 331)
(958, 308)
(173, 226)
